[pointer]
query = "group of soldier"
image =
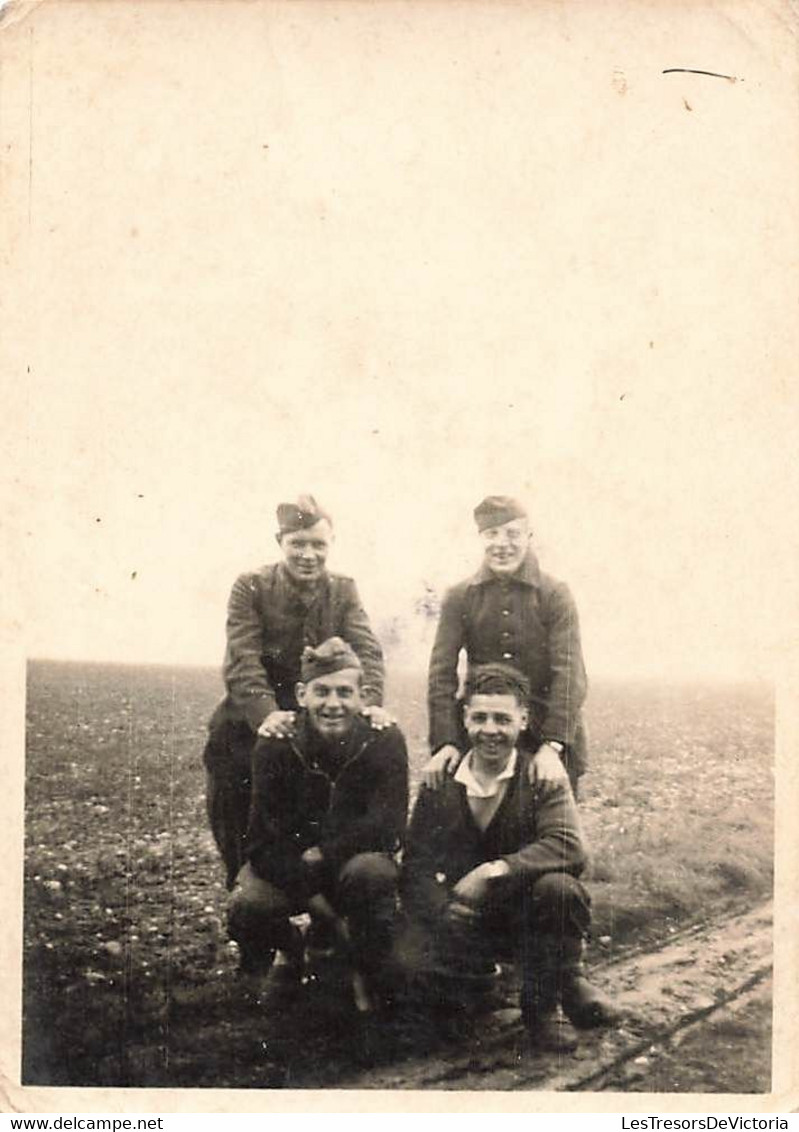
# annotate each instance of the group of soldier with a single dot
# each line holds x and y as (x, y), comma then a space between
(308, 782)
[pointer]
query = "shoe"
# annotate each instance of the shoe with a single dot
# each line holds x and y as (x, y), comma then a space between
(585, 1005)
(548, 1030)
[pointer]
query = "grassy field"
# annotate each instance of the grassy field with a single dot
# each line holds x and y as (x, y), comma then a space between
(129, 978)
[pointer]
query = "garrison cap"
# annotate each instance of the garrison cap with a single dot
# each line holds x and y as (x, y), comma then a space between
(300, 515)
(331, 656)
(496, 510)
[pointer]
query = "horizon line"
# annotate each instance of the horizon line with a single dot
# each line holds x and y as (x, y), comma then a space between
(405, 668)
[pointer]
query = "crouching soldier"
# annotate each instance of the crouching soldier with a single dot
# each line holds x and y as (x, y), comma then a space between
(328, 814)
(492, 860)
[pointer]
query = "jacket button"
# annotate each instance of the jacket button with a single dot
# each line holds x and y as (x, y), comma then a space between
(506, 613)
(507, 656)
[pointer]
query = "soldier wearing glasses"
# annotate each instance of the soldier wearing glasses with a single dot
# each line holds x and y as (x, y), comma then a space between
(511, 612)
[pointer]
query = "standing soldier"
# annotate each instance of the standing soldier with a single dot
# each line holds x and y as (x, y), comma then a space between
(273, 614)
(510, 612)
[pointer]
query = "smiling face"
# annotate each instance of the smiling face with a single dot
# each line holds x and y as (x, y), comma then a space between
(505, 546)
(493, 722)
(305, 552)
(332, 702)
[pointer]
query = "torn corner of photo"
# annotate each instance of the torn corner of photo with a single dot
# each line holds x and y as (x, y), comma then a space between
(13, 12)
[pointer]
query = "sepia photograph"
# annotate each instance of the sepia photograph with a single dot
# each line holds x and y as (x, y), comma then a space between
(401, 591)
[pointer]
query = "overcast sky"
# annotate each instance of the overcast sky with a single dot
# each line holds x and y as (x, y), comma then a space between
(402, 260)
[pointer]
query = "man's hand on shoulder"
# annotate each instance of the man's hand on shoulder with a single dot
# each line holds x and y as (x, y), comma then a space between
(445, 761)
(546, 768)
(379, 719)
(277, 725)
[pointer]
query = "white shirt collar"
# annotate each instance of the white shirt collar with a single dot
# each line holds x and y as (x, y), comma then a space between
(465, 775)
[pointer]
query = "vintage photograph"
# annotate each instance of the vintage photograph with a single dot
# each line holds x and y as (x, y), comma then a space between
(403, 554)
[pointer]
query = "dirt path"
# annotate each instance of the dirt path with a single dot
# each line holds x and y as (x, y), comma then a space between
(728, 1051)
(705, 995)
(697, 1019)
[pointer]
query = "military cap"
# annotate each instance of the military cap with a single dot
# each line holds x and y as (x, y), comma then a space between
(300, 515)
(331, 656)
(496, 510)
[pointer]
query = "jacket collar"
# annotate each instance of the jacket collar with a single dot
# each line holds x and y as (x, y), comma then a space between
(474, 789)
(308, 746)
(528, 574)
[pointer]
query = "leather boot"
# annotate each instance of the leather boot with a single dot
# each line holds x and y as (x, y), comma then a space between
(586, 1006)
(546, 1027)
(541, 991)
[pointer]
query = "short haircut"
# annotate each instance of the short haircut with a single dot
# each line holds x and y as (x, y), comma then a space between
(498, 680)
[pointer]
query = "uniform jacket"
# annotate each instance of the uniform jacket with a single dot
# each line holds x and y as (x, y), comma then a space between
(270, 620)
(535, 831)
(347, 799)
(528, 620)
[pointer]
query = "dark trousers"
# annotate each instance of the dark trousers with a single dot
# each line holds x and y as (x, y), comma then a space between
(364, 894)
(228, 760)
(539, 926)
